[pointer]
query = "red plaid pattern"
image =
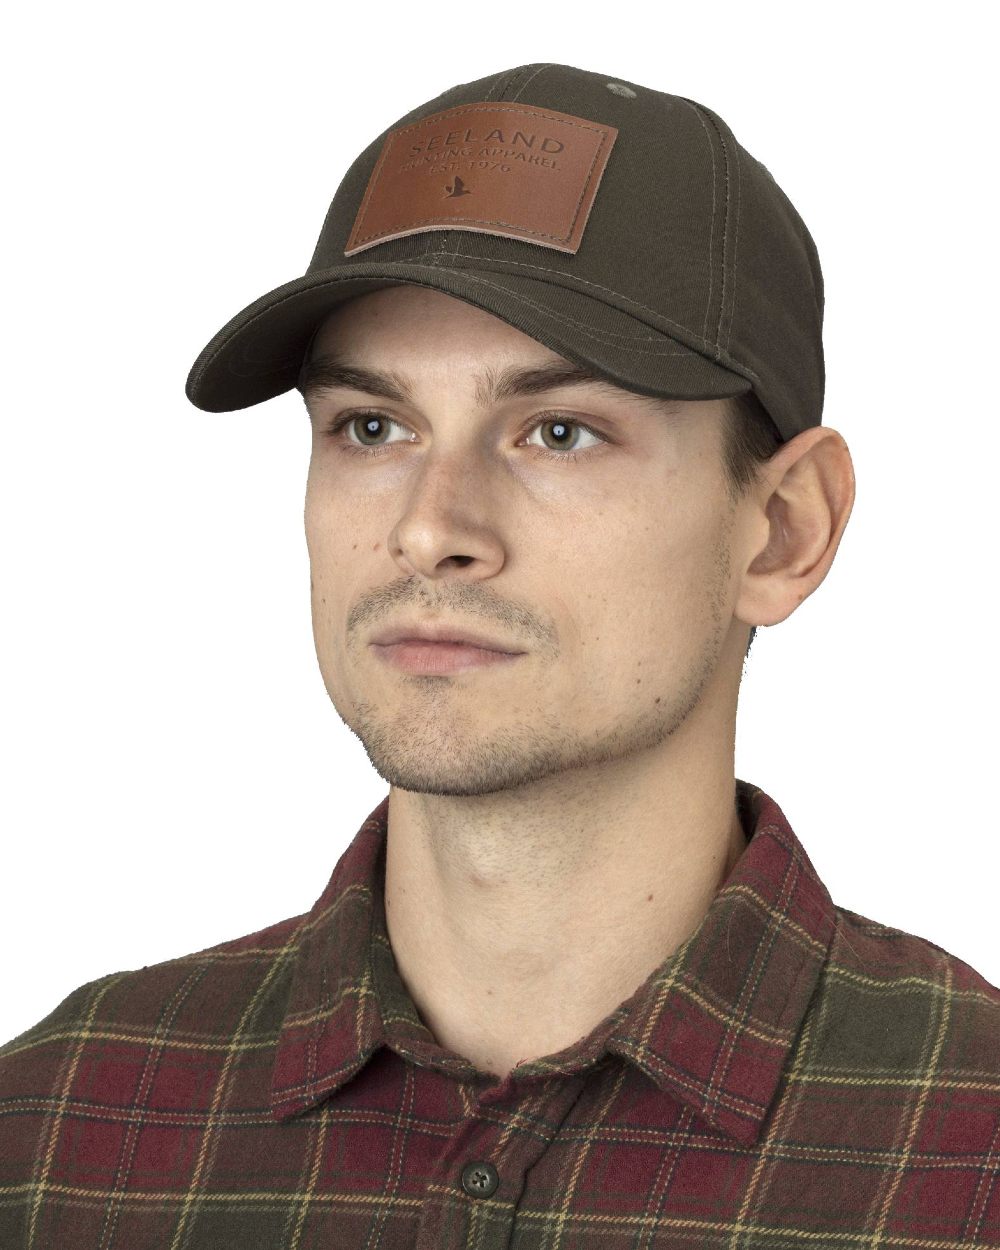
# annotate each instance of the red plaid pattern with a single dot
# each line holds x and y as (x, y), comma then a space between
(794, 1075)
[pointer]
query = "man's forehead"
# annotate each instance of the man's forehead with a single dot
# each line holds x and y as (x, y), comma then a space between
(329, 368)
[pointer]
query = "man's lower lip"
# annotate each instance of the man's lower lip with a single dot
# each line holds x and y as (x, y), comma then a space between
(439, 657)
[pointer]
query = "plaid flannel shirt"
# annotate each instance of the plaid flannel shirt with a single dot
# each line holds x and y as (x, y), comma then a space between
(793, 1075)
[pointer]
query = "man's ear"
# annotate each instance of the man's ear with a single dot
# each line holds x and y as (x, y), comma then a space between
(802, 509)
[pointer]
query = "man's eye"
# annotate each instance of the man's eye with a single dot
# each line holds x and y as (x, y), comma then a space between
(561, 430)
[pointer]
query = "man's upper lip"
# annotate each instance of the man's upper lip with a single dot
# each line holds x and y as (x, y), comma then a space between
(440, 633)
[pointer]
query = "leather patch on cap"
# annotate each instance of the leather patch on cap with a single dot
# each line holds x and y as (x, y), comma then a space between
(497, 168)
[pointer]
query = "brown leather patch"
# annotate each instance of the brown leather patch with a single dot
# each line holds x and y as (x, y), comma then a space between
(496, 168)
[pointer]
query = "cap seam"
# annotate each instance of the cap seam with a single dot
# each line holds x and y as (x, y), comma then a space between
(716, 353)
(501, 82)
(725, 232)
(538, 69)
(726, 135)
(508, 84)
(736, 243)
(588, 332)
(711, 231)
(599, 286)
(539, 111)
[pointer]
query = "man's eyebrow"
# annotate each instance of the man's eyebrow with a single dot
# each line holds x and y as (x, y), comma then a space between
(328, 371)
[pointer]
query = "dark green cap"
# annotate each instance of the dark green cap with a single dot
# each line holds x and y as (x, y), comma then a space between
(624, 228)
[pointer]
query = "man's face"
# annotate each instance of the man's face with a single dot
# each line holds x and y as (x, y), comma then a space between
(611, 572)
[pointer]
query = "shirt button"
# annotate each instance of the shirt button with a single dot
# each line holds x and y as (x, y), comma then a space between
(479, 1180)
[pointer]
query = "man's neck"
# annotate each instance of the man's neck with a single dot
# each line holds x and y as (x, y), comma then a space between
(516, 937)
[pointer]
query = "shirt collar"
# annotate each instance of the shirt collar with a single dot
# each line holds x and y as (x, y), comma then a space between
(712, 1027)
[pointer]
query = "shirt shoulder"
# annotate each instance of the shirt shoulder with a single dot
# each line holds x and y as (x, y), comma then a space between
(134, 1038)
(894, 1003)
(126, 996)
(861, 943)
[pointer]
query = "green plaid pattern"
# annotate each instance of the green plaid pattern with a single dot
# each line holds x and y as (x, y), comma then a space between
(794, 1075)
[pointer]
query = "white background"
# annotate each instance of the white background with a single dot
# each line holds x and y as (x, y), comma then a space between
(175, 773)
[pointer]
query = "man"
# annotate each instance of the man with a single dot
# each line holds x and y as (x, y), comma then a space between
(572, 984)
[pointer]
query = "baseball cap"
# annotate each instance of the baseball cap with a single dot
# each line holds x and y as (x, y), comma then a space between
(622, 227)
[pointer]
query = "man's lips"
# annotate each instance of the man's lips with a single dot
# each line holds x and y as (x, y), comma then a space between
(417, 655)
(441, 635)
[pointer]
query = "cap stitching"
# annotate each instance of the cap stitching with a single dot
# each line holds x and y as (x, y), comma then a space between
(485, 221)
(517, 93)
(736, 236)
(725, 240)
(600, 287)
(736, 246)
(586, 281)
(623, 341)
(500, 81)
(744, 369)
(725, 224)
(504, 79)
(580, 123)
(589, 333)
(711, 232)
(507, 81)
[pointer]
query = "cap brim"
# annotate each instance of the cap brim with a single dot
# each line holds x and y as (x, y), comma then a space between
(259, 353)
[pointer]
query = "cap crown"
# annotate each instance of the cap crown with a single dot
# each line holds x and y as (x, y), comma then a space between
(687, 232)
